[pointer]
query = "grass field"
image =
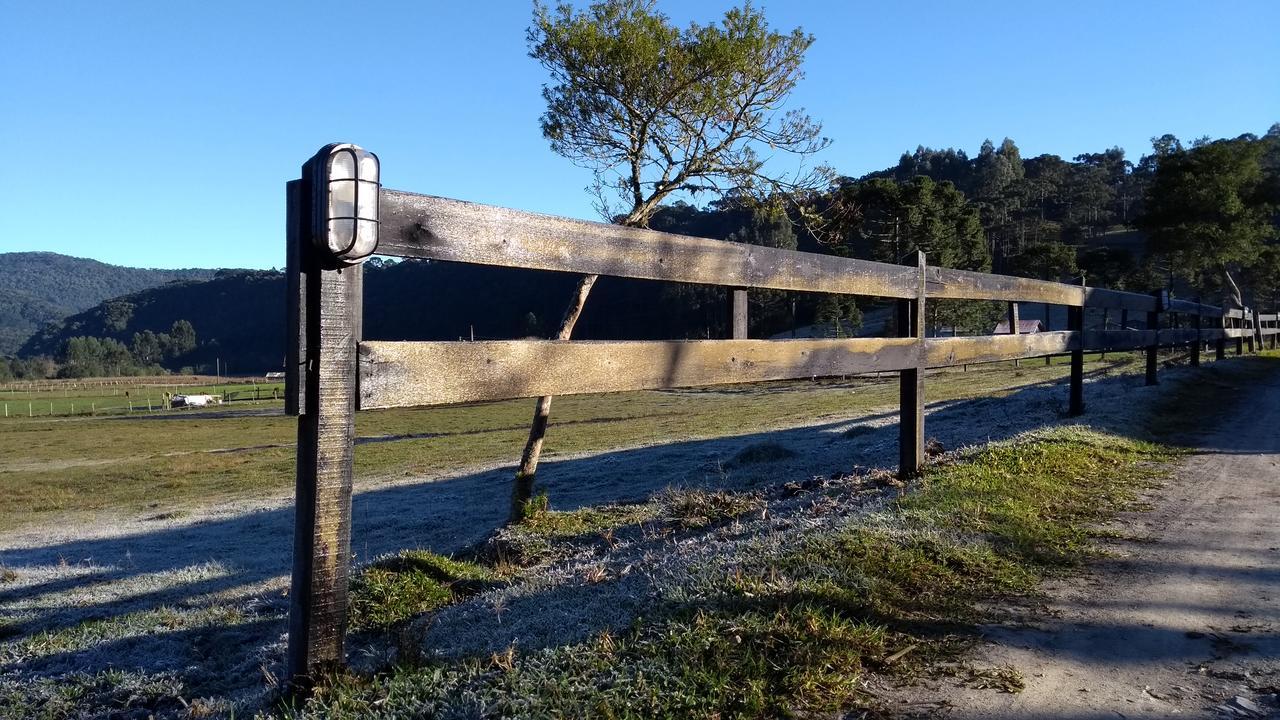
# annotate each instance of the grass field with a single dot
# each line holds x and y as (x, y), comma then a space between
(69, 399)
(169, 462)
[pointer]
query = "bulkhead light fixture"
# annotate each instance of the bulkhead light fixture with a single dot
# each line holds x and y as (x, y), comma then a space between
(344, 184)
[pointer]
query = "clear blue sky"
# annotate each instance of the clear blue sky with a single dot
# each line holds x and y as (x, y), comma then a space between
(160, 134)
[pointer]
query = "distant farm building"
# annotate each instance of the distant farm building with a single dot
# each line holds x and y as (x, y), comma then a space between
(1025, 327)
(278, 375)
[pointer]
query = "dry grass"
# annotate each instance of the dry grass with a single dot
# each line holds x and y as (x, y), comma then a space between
(68, 470)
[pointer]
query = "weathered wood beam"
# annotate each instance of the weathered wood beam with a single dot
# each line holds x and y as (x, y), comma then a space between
(1194, 308)
(322, 530)
(295, 302)
(423, 226)
(1095, 340)
(946, 352)
(951, 284)
(403, 374)
(738, 315)
(1117, 299)
(1075, 324)
(911, 325)
(1153, 327)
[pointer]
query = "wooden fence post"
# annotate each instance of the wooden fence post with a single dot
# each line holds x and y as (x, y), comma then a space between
(326, 336)
(1153, 324)
(1106, 325)
(1239, 338)
(911, 383)
(295, 302)
(739, 315)
(1013, 326)
(1075, 323)
(1220, 347)
(1195, 346)
(1048, 359)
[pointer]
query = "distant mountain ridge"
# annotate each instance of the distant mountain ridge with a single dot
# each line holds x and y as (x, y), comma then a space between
(43, 287)
(238, 317)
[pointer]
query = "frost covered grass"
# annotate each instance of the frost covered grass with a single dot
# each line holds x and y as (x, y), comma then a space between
(783, 626)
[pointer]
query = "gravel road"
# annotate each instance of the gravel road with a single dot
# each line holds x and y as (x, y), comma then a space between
(1183, 620)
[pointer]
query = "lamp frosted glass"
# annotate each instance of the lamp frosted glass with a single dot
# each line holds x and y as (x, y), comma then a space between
(346, 185)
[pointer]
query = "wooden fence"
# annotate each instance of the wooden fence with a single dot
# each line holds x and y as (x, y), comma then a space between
(331, 372)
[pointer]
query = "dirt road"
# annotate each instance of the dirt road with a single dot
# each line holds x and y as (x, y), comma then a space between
(1183, 620)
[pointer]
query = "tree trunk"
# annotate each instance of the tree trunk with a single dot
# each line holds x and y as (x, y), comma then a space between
(1236, 295)
(522, 491)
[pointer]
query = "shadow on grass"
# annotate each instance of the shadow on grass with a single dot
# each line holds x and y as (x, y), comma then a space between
(61, 586)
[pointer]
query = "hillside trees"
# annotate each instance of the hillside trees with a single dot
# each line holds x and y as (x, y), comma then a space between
(897, 219)
(1031, 206)
(654, 110)
(151, 348)
(96, 357)
(1210, 212)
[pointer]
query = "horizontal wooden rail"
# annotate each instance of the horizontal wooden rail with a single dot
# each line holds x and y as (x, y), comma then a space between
(402, 374)
(1134, 339)
(1193, 308)
(425, 226)
(945, 352)
(422, 226)
(405, 374)
(1121, 300)
(948, 283)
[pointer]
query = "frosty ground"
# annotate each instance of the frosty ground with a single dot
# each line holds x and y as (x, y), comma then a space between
(186, 611)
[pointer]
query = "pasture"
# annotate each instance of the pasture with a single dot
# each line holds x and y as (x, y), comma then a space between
(109, 468)
(128, 396)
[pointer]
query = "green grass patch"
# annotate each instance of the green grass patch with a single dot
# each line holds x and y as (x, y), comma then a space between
(1039, 498)
(394, 589)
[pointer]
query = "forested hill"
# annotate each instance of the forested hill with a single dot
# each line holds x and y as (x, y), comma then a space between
(43, 287)
(238, 316)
